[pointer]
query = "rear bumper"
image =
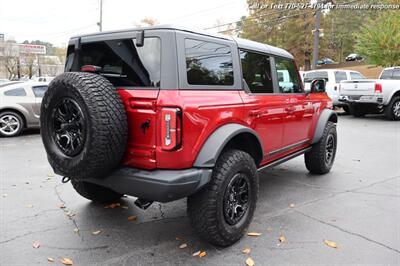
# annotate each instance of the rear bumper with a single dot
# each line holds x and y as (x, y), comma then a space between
(157, 185)
(371, 99)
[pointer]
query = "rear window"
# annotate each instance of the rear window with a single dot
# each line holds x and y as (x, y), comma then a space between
(208, 63)
(125, 64)
(387, 74)
(339, 76)
(39, 91)
(308, 77)
(15, 92)
(355, 75)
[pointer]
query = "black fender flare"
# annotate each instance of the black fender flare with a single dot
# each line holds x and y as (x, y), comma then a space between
(216, 142)
(326, 115)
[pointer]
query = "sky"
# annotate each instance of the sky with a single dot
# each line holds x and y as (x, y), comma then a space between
(57, 20)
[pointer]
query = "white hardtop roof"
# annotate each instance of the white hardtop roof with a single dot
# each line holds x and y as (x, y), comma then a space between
(242, 43)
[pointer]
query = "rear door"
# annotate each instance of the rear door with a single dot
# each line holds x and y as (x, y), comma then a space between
(264, 108)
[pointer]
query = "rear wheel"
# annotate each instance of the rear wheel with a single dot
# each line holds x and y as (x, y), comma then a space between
(392, 110)
(222, 211)
(346, 109)
(357, 110)
(322, 155)
(11, 124)
(95, 192)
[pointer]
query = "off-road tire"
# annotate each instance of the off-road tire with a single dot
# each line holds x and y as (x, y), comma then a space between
(106, 125)
(389, 109)
(205, 208)
(95, 192)
(357, 110)
(315, 159)
(17, 117)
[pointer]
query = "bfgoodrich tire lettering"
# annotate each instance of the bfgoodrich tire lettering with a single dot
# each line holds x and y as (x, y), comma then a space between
(206, 207)
(104, 121)
(322, 155)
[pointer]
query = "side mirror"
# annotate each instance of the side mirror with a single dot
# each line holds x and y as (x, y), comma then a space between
(318, 85)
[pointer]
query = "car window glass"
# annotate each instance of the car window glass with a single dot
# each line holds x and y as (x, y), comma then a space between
(339, 76)
(310, 76)
(15, 92)
(125, 64)
(355, 75)
(396, 74)
(39, 91)
(208, 63)
(290, 81)
(387, 74)
(256, 70)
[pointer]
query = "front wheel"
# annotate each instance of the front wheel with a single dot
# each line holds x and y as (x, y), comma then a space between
(11, 124)
(322, 155)
(222, 211)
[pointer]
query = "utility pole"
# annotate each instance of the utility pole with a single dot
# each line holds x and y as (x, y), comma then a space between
(316, 36)
(100, 23)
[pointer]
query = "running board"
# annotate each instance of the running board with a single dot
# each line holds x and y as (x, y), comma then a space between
(284, 159)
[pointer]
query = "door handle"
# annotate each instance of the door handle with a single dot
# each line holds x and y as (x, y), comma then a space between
(254, 113)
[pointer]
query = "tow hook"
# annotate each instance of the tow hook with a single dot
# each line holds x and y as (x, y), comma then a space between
(143, 203)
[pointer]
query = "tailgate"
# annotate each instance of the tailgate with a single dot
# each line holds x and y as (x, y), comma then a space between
(357, 87)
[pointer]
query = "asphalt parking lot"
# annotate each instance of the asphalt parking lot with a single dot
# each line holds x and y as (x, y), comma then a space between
(357, 206)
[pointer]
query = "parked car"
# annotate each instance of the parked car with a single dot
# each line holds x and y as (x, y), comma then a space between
(162, 113)
(374, 95)
(20, 106)
(333, 78)
(325, 61)
(43, 79)
(354, 57)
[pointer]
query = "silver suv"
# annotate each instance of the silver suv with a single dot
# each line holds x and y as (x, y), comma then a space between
(20, 106)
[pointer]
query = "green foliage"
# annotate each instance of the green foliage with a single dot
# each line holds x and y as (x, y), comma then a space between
(379, 39)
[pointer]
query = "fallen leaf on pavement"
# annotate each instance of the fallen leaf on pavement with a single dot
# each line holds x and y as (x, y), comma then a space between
(96, 232)
(291, 205)
(35, 244)
(202, 254)
(253, 234)
(29, 205)
(282, 239)
(112, 205)
(76, 230)
(246, 251)
(269, 229)
(179, 238)
(132, 218)
(184, 245)
(330, 244)
(125, 207)
(250, 262)
(50, 259)
(61, 206)
(66, 261)
(196, 253)
(50, 174)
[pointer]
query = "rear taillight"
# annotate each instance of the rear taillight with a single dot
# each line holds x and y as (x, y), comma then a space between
(171, 125)
(378, 88)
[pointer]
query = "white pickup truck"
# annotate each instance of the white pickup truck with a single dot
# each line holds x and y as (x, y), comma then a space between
(366, 96)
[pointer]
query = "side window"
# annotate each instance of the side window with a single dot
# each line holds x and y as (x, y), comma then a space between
(288, 77)
(339, 76)
(396, 74)
(355, 75)
(208, 63)
(39, 91)
(256, 70)
(15, 92)
(125, 64)
(387, 74)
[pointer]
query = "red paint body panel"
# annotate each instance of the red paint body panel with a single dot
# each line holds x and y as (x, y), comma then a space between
(280, 120)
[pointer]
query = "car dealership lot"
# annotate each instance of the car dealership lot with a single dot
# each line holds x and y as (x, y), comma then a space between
(356, 205)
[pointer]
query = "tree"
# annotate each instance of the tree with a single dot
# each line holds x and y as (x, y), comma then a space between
(11, 60)
(379, 39)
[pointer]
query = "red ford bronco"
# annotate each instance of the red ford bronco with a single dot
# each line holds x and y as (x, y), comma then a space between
(162, 113)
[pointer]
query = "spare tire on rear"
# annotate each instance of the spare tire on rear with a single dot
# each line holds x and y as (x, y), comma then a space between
(83, 125)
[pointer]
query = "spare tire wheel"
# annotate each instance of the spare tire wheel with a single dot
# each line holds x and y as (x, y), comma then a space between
(83, 125)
